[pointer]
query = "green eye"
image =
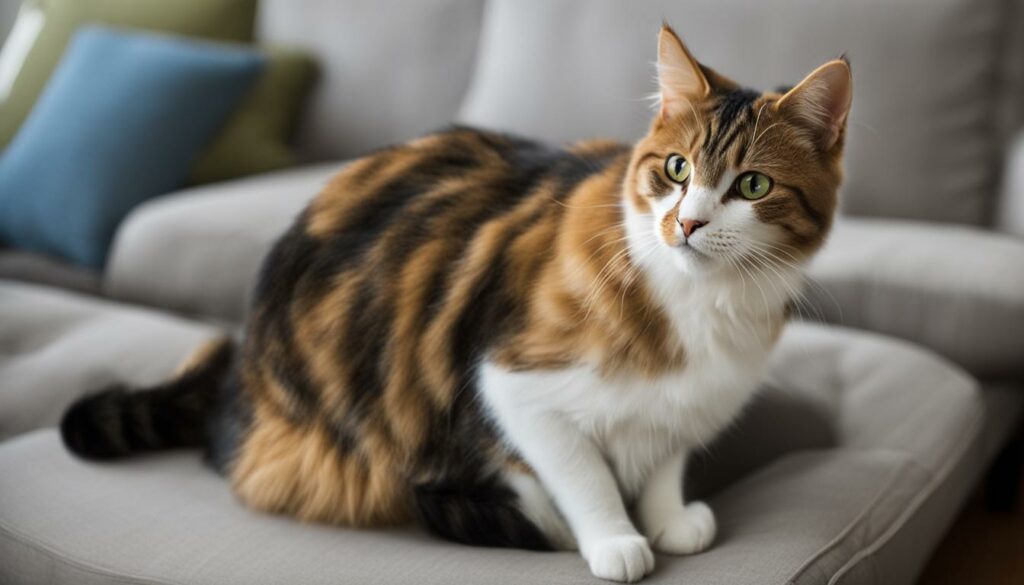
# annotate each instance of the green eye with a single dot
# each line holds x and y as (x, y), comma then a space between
(753, 185)
(677, 168)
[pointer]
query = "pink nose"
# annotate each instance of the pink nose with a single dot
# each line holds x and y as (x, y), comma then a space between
(691, 225)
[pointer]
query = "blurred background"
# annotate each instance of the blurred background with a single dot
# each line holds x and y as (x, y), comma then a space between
(151, 151)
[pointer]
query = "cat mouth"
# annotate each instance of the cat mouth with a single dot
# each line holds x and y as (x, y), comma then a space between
(687, 248)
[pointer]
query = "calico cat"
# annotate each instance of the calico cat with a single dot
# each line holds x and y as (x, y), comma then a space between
(514, 344)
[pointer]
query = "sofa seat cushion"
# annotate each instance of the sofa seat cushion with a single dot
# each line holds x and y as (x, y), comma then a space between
(956, 290)
(198, 251)
(794, 505)
(168, 519)
(56, 345)
(39, 269)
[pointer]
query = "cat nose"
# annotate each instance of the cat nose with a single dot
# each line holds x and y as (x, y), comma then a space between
(691, 225)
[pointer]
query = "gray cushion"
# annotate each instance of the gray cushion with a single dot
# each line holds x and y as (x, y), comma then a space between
(39, 269)
(198, 251)
(921, 143)
(956, 290)
(833, 506)
(390, 69)
(56, 345)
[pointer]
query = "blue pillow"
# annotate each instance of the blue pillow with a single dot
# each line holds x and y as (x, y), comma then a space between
(121, 120)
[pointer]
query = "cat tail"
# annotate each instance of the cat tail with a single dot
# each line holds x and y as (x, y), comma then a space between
(117, 421)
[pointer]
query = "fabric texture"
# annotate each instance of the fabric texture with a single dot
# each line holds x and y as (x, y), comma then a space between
(162, 258)
(229, 20)
(87, 153)
(39, 269)
(956, 290)
(821, 508)
(55, 346)
(258, 137)
(1009, 215)
(920, 139)
(390, 69)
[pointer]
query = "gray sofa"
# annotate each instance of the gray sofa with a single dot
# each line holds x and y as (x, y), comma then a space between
(885, 403)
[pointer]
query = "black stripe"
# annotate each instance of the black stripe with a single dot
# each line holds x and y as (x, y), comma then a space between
(481, 514)
(657, 183)
(371, 315)
(648, 155)
(728, 140)
(806, 205)
(116, 422)
(730, 108)
(493, 309)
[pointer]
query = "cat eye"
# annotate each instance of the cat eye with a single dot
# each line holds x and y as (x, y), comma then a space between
(677, 168)
(753, 185)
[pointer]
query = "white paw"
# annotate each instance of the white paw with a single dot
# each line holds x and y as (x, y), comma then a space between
(625, 558)
(684, 531)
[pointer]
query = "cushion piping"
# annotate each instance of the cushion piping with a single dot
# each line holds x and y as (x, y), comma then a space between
(75, 563)
(937, 478)
(859, 518)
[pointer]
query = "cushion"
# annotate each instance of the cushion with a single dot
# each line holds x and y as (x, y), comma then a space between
(258, 137)
(230, 20)
(921, 141)
(40, 269)
(956, 290)
(56, 346)
(389, 70)
(849, 509)
(162, 258)
(91, 151)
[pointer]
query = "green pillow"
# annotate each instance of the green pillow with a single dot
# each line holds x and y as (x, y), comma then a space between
(257, 137)
(228, 20)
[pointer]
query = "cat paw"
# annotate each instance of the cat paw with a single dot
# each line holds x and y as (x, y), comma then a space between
(684, 531)
(626, 558)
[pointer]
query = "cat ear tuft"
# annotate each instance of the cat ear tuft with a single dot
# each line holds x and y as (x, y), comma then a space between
(821, 102)
(680, 77)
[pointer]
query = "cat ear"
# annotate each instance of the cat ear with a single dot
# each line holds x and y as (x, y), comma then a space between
(680, 77)
(821, 102)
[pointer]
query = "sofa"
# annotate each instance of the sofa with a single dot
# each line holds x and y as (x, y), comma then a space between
(889, 396)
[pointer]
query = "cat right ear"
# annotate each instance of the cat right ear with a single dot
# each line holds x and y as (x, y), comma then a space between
(821, 102)
(680, 78)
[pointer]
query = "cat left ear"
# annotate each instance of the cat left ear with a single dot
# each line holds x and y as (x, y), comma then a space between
(680, 77)
(821, 102)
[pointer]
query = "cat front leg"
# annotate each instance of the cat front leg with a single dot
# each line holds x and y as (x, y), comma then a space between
(571, 468)
(671, 525)
(573, 471)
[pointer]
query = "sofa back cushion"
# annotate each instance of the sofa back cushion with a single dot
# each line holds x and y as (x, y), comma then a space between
(390, 69)
(922, 141)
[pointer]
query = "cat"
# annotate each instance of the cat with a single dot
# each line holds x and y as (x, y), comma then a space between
(511, 343)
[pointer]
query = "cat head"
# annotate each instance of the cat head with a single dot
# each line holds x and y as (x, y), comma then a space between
(727, 174)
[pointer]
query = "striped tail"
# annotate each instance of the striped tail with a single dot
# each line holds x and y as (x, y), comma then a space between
(117, 422)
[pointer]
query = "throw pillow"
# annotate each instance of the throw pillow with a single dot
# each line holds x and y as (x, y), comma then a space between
(122, 120)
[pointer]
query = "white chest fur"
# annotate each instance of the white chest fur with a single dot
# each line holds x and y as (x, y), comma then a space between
(726, 326)
(638, 421)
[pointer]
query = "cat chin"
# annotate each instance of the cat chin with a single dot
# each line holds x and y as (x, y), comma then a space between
(689, 260)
